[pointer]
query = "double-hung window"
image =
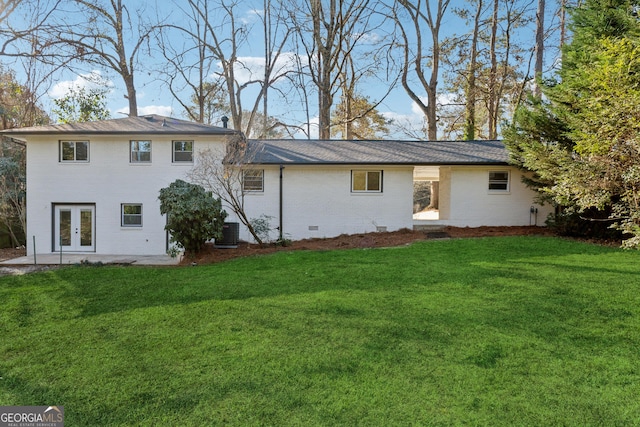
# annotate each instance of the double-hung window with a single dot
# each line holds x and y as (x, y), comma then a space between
(253, 180)
(74, 151)
(140, 151)
(499, 181)
(131, 215)
(183, 151)
(366, 181)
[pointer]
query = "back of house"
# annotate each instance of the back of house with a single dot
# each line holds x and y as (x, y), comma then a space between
(93, 187)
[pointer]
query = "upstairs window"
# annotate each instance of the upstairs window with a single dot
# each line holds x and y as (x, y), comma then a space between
(253, 180)
(74, 151)
(366, 181)
(183, 151)
(131, 215)
(140, 151)
(499, 181)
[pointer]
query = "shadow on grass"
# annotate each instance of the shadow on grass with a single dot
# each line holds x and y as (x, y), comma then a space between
(476, 303)
(115, 289)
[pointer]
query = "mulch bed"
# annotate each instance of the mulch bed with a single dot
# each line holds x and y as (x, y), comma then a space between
(211, 254)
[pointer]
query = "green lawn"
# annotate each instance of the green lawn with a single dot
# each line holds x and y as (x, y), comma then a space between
(495, 331)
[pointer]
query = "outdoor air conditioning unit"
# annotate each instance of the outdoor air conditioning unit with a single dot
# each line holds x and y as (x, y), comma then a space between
(230, 235)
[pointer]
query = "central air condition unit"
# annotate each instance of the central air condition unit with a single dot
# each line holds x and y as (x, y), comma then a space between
(230, 235)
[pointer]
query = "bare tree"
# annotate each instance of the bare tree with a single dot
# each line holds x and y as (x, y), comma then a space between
(221, 171)
(471, 92)
(356, 110)
(421, 45)
(485, 71)
(492, 99)
(502, 73)
(539, 47)
(562, 13)
(102, 33)
(6, 8)
(215, 35)
(188, 64)
(13, 197)
(330, 31)
(276, 36)
(25, 50)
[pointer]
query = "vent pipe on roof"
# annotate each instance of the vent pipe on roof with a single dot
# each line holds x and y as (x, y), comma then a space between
(225, 120)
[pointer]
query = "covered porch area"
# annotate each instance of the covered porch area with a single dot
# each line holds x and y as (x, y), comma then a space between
(426, 197)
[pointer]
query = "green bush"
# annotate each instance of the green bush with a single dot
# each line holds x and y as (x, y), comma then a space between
(193, 214)
(591, 223)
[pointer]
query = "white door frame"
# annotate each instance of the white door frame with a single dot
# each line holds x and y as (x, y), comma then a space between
(74, 227)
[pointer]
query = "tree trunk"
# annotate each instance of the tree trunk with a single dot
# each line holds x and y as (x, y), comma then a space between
(539, 47)
(416, 65)
(563, 23)
(131, 96)
(435, 195)
(493, 105)
(470, 120)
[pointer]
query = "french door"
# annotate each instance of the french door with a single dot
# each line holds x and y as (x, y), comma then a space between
(74, 228)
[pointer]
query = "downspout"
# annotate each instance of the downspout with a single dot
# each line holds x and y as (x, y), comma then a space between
(281, 238)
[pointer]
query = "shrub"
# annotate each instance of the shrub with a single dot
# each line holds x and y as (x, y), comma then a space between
(193, 214)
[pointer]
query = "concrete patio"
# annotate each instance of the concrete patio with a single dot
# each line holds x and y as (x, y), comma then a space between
(70, 259)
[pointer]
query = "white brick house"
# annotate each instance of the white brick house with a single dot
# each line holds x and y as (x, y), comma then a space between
(93, 187)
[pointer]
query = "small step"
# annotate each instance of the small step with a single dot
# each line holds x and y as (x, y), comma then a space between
(428, 227)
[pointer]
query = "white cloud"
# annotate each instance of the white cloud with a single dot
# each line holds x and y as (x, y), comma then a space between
(314, 129)
(91, 80)
(415, 108)
(367, 38)
(162, 110)
(405, 126)
(250, 16)
(252, 67)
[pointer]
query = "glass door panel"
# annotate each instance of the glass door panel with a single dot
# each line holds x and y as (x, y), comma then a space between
(74, 228)
(86, 227)
(64, 224)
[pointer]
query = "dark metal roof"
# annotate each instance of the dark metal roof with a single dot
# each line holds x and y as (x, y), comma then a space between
(149, 124)
(296, 151)
(392, 152)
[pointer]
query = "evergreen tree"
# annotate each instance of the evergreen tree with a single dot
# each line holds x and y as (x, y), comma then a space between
(582, 138)
(357, 118)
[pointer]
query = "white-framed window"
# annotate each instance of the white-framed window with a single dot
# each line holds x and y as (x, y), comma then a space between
(140, 151)
(182, 152)
(74, 151)
(366, 181)
(253, 180)
(131, 215)
(499, 181)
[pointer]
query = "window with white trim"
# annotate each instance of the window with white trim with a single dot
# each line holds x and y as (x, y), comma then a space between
(499, 181)
(140, 151)
(182, 151)
(131, 215)
(74, 151)
(253, 180)
(366, 181)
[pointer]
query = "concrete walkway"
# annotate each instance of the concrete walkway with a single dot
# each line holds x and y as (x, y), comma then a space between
(68, 259)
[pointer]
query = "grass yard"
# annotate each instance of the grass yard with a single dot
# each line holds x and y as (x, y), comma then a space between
(492, 331)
